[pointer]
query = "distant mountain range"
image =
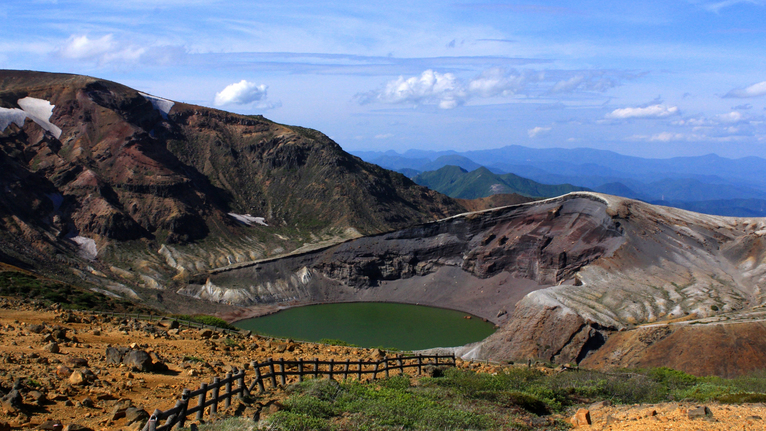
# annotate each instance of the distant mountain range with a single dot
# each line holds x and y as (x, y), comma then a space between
(457, 182)
(709, 184)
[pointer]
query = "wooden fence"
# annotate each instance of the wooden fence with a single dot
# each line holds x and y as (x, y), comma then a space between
(275, 374)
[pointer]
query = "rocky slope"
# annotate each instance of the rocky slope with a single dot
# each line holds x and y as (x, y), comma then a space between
(150, 190)
(567, 279)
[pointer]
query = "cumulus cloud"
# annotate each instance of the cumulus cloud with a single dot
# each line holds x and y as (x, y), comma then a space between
(538, 131)
(83, 47)
(754, 90)
(652, 111)
(731, 117)
(446, 90)
(430, 87)
(240, 93)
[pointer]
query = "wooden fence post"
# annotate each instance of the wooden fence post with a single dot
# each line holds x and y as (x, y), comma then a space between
(300, 369)
(201, 400)
(241, 385)
(273, 374)
(332, 365)
(214, 396)
(184, 407)
(227, 395)
(359, 372)
(258, 378)
(375, 371)
(316, 368)
(401, 365)
(345, 370)
(420, 364)
(282, 377)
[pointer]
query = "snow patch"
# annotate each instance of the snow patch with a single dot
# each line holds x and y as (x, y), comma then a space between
(37, 110)
(8, 116)
(160, 104)
(88, 248)
(249, 220)
(40, 111)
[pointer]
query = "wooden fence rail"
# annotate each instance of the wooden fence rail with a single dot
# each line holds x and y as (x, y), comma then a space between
(281, 369)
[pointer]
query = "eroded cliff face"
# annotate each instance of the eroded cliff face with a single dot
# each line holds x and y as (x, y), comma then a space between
(155, 190)
(560, 277)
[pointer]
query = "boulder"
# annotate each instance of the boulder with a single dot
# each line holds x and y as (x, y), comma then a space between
(139, 360)
(700, 412)
(581, 418)
(12, 401)
(134, 414)
(37, 329)
(52, 347)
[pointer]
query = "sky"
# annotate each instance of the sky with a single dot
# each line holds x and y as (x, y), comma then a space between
(646, 78)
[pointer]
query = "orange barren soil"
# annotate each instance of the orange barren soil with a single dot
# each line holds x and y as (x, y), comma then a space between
(77, 387)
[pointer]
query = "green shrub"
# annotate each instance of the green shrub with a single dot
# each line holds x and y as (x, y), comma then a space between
(741, 398)
(336, 342)
(205, 320)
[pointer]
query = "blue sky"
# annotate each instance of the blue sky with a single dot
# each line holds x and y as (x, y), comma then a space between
(648, 78)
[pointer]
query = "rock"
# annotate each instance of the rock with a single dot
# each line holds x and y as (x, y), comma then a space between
(52, 347)
(114, 354)
(37, 397)
(122, 404)
(581, 418)
(87, 402)
(12, 401)
(75, 427)
(700, 412)
(138, 359)
(434, 371)
(134, 414)
(205, 333)
(78, 378)
(378, 354)
(76, 362)
(37, 329)
(63, 371)
(600, 405)
(51, 425)
(59, 334)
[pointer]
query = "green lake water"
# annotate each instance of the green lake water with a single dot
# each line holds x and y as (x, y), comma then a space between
(373, 324)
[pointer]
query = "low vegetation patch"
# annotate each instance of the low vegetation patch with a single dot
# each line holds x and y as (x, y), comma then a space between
(464, 399)
(21, 285)
(205, 320)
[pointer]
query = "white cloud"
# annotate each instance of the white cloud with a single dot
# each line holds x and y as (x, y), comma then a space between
(731, 117)
(667, 137)
(446, 90)
(240, 93)
(653, 111)
(497, 82)
(754, 90)
(384, 136)
(82, 47)
(430, 87)
(538, 131)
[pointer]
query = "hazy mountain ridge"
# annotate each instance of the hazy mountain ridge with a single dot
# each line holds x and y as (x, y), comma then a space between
(676, 181)
(457, 182)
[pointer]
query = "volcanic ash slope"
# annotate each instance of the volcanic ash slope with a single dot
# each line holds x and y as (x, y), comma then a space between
(561, 277)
